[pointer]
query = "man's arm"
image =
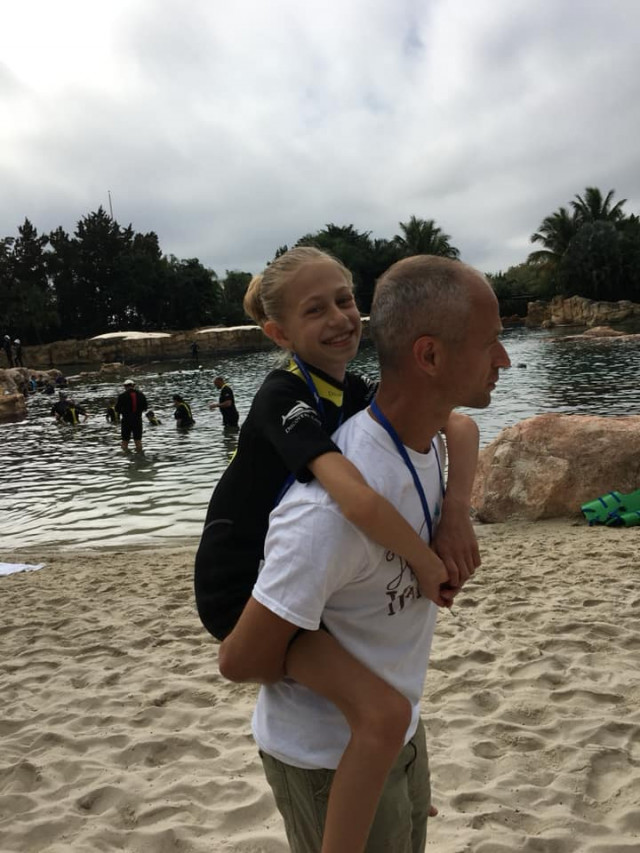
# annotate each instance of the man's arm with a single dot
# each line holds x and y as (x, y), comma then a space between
(256, 648)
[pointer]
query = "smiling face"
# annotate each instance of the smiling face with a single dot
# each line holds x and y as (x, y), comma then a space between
(320, 320)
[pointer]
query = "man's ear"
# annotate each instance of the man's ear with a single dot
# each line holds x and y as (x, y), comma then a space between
(426, 353)
(274, 330)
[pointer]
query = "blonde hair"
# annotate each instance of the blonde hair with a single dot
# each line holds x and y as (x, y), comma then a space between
(264, 299)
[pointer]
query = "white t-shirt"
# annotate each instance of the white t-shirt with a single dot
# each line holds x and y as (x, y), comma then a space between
(318, 566)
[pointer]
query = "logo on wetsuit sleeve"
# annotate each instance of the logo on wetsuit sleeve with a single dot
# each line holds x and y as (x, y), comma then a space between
(299, 411)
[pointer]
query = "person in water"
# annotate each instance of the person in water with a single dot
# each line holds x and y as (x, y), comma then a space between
(226, 403)
(111, 414)
(184, 417)
(304, 302)
(130, 405)
(73, 412)
(153, 419)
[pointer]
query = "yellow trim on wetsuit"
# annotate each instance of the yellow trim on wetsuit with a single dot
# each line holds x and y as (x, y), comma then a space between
(325, 389)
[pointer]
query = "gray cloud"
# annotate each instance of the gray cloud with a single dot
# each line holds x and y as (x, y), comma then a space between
(230, 131)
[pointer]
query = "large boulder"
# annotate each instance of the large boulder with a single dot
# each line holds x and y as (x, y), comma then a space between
(12, 403)
(579, 311)
(549, 465)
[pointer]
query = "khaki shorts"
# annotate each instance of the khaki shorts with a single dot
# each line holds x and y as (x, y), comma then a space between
(400, 824)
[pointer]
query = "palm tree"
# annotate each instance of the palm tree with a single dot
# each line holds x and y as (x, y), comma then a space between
(555, 233)
(423, 237)
(593, 208)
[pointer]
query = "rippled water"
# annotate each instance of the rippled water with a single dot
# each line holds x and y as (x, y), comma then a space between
(74, 486)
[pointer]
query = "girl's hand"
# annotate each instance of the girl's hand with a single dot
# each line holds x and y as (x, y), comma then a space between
(456, 544)
(433, 579)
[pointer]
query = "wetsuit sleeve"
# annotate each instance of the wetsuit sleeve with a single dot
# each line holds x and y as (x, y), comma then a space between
(142, 401)
(290, 423)
(361, 391)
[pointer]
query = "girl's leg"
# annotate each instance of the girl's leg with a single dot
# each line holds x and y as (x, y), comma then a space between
(378, 716)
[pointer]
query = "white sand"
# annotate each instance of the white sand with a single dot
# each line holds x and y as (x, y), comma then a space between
(117, 733)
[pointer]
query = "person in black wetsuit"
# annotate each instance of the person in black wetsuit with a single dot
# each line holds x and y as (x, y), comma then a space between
(226, 403)
(8, 351)
(112, 416)
(182, 414)
(130, 405)
(58, 408)
(73, 413)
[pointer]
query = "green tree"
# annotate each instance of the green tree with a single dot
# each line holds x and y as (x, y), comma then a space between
(194, 294)
(61, 269)
(423, 237)
(234, 288)
(555, 233)
(33, 297)
(100, 291)
(592, 207)
(593, 264)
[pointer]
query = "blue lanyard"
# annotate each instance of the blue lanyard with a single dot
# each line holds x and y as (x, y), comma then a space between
(319, 408)
(407, 461)
(314, 391)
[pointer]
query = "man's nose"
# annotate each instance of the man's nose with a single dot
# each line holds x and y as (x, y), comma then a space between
(502, 360)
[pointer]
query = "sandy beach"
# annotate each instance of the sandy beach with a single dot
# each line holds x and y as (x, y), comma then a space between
(117, 733)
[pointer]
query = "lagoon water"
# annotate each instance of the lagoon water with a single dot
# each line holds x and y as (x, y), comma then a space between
(73, 487)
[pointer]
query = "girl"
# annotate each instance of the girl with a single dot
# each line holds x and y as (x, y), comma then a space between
(304, 302)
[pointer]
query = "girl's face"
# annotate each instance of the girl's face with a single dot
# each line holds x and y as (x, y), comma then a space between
(321, 321)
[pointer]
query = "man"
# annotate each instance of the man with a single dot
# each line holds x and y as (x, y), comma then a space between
(183, 414)
(17, 353)
(130, 405)
(226, 403)
(73, 412)
(8, 351)
(58, 409)
(436, 327)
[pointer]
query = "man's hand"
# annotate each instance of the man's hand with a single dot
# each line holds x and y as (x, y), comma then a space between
(456, 544)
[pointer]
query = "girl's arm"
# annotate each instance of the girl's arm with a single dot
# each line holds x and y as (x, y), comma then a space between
(455, 540)
(380, 521)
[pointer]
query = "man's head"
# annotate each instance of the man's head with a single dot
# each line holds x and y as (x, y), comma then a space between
(438, 319)
(128, 384)
(218, 382)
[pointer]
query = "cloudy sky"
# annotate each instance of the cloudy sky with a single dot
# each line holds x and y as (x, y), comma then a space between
(231, 128)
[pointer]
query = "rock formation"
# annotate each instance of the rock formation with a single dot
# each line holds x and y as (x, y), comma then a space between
(549, 465)
(602, 334)
(578, 311)
(12, 403)
(132, 347)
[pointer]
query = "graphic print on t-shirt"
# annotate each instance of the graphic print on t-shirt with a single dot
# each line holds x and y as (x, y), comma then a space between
(301, 410)
(403, 587)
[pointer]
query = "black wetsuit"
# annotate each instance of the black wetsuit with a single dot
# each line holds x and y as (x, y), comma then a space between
(58, 409)
(130, 405)
(230, 416)
(8, 351)
(71, 414)
(183, 415)
(282, 433)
